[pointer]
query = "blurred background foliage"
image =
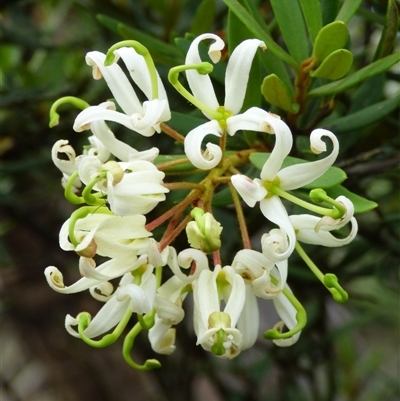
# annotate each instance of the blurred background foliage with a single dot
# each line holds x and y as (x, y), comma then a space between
(348, 352)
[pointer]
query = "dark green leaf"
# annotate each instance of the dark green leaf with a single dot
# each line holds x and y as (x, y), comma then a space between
(184, 122)
(313, 16)
(291, 24)
(335, 66)
(259, 32)
(361, 205)
(204, 18)
(329, 9)
(348, 9)
(277, 94)
(364, 117)
(389, 33)
(332, 177)
(330, 38)
(367, 72)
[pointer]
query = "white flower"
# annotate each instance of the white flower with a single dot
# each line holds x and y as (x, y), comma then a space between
(215, 329)
(139, 298)
(133, 187)
(236, 78)
(116, 237)
(288, 178)
(256, 269)
(144, 119)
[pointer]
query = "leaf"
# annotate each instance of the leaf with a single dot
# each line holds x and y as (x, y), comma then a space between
(365, 117)
(184, 123)
(332, 177)
(260, 33)
(222, 198)
(313, 16)
(162, 52)
(335, 66)
(367, 72)
(330, 10)
(361, 205)
(389, 32)
(330, 38)
(204, 17)
(275, 92)
(237, 33)
(348, 9)
(291, 24)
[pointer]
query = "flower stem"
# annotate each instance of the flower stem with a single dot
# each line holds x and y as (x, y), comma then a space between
(329, 280)
(172, 133)
(240, 217)
(108, 339)
(75, 101)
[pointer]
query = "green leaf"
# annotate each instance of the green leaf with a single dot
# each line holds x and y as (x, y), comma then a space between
(332, 177)
(184, 123)
(204, 18)
(236, 34)
(313, 15)
(161, 52)
(276, 93)
(365, 117)
(361, 205)
(222, 198)
(330, 38)
(260, 32)
(367, 72)
(291, 24)
(330, 10)
(348, 9)
(335, 66)
(389, 32)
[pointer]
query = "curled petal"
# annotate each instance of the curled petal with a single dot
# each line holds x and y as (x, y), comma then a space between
(213, 153)
(328, 223)
(237, 73)
(67, 167)
(201, 85)
(97, 149)
(297, 176)
(169, 312)
(117, 81)
(283, 145)
(273, 209)
(162, 338)
(186, 259)
(305, 231)
(102, 292)
(118, 148)
(89, 169)
(250, 190)
(154, 113)
(139, 302)
(252, 119)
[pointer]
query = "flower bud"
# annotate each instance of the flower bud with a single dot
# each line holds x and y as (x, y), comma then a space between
(204, 232)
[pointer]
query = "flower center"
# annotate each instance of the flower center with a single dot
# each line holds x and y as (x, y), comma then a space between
(271, 185)
(223, 115)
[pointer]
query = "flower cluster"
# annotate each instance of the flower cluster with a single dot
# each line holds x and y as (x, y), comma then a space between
(117, 186)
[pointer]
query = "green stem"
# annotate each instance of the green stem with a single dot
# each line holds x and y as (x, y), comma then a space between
(240, 217)
(334, 213)
(202, 68)
(75, 101)
(68, 192)
(301, 317)
(93, 199)
(143, 51)
(127, 347)
(329, 280)
(108, 339)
